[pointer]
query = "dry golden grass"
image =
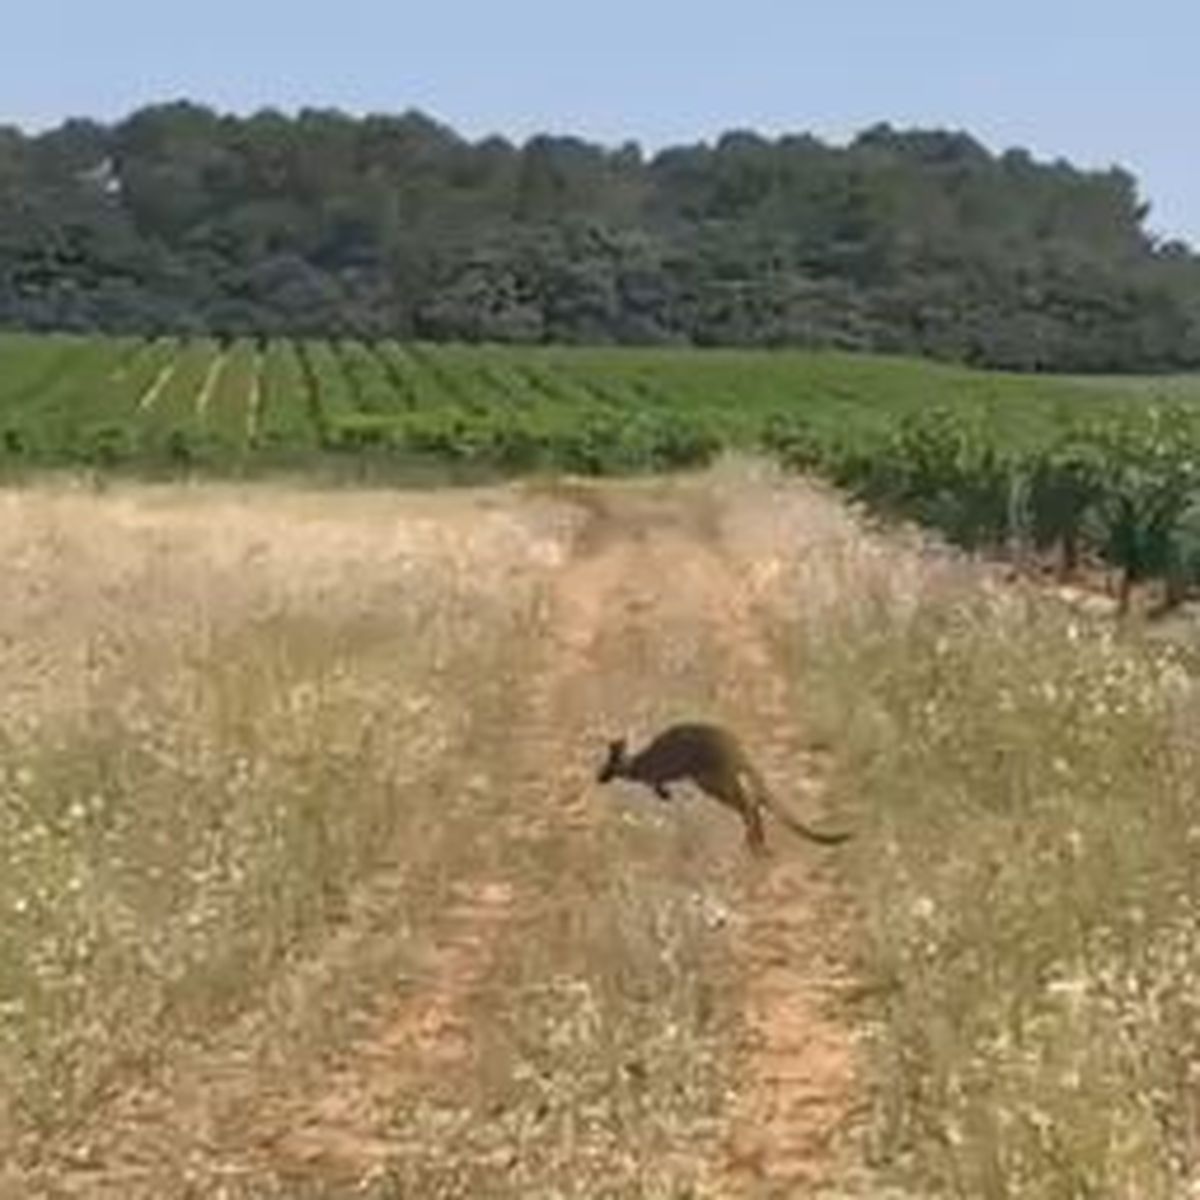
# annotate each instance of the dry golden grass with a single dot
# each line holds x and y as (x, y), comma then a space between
(288, 903)
(308, 890)
(1028, 782)
(216, 717)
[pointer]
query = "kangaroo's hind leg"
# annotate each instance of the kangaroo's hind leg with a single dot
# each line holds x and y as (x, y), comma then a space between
(756, 840)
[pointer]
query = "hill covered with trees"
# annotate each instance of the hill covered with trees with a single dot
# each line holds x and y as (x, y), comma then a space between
(180, 219)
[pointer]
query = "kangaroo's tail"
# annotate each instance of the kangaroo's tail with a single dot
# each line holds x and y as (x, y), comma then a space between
(793, 822)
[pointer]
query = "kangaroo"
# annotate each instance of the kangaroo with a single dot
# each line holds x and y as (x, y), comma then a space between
(714, 760)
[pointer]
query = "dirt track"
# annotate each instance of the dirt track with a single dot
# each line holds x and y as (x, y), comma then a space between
(658, 609)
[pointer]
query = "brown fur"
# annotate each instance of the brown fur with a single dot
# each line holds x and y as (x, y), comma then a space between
(713, 759)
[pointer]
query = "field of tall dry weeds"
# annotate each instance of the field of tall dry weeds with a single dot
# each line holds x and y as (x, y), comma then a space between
(1030, 886)
(219, 715)
(308, 888)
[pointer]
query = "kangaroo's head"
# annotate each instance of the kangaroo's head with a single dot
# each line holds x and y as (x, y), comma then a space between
(614, 763)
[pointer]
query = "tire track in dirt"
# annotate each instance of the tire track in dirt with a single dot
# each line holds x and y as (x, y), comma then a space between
(795, 1074)
(337, 1135)
(666, 566)
(797, 1062)
(662, 564)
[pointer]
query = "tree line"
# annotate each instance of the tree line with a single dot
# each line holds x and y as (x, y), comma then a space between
(179, 219)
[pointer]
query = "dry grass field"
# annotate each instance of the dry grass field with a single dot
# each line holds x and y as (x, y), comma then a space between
(309, 890)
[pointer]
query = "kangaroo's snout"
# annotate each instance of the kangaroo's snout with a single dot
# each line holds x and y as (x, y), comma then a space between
(610, 766)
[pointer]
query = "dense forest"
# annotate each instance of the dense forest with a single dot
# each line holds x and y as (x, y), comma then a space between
(180, 219)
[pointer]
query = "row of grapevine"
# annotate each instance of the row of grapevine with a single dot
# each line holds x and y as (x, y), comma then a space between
(280, 420)
(225, 411)
(42, 418)
(1120, 491)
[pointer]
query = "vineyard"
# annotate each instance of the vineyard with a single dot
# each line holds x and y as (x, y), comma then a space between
(224, 406)
(1069, 471)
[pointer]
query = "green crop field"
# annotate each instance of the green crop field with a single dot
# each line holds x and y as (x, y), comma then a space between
(117, 402)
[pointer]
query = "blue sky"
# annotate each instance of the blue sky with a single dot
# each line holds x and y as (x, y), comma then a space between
(1097, 83)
